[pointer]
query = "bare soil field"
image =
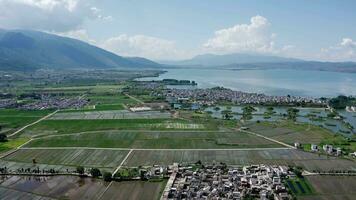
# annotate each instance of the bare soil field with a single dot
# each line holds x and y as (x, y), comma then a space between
(332, 187)
(113, 114)
(104, 159)
(11, 194)
(309, 161)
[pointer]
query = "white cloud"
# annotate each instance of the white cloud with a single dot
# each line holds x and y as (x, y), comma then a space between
(80, 34)
(253, 37)
(143, 46)
(344, 50)
(49, 15)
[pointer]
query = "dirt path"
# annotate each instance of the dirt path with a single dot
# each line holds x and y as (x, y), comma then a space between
(267, 138)
(134, 98)
(33, 123)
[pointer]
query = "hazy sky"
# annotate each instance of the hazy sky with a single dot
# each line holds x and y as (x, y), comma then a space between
(178, 29)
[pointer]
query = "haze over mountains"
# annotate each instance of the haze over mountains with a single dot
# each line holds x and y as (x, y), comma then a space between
(239, 61)
(228, 59)
(28, 50)
(25, 50)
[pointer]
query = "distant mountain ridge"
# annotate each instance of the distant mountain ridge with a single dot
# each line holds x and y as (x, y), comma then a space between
(228, 59)
(29, 50)
(261, 62)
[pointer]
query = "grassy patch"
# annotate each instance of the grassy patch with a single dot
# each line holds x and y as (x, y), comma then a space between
(11, 144)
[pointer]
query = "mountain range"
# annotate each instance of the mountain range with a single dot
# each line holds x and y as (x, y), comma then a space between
(240, 61)
(209, 60)
(27, 50)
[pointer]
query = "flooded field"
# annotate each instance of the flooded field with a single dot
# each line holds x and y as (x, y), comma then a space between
(315, 116)
(72, 187)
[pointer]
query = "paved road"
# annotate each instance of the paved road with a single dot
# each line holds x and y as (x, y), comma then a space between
(33, 123)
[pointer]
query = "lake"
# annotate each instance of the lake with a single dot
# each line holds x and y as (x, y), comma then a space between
(271, 82)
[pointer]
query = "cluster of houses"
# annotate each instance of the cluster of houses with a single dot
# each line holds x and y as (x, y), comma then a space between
(215, 95)
(51, 102)
(222, 182)
(351, 108)
(327, 148)
(7, 103)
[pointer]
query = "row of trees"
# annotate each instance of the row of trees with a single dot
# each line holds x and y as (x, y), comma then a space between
(95, 173)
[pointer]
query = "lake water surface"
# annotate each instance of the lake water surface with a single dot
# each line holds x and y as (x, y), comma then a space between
(271, 82)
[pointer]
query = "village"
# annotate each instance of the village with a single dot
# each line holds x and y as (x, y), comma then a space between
(215, 95)
(222, 182)
(43, 102)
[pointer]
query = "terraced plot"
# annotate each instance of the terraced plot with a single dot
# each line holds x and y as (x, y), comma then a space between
(155, 140)
(105, 159)
(113, 114)
(309, 161)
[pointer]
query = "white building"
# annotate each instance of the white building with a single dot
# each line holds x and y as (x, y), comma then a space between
(314, 147)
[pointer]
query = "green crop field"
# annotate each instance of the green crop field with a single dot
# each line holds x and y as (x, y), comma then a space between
(11, 119)
(299, 186)
(11, 144)
(155, 140)
(107, 159)
(48, 127)
(290, 132)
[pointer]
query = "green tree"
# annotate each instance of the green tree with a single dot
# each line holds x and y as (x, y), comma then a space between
(80, 170)
(95, 172)
(107, 176)
(3, 137)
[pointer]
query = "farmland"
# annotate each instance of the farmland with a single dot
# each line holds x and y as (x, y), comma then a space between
(136, 190)
(75, 126)
(155, 140)
(11, 144)
(290, 132)
(332, 187)
(299, 186)
(105, 159)
(119, 114)
(241, 157)
(70, 187)
(12, 119)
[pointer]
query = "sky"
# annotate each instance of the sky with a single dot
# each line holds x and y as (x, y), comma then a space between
(180, 29)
